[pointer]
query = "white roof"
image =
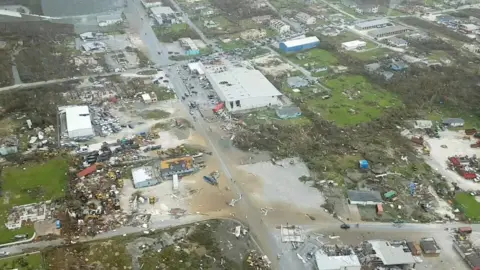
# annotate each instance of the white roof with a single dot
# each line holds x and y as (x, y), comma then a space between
(391, 255)
(470, 26)
(241, 83)
(372, 23)
(159, 10)
(142, 174)
(197, 66)
(146, 97)
(301, 41)
(354, 43)
(78, 117)
(325, 262)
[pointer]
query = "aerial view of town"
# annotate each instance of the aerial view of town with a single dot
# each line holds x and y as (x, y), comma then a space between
(239, 134)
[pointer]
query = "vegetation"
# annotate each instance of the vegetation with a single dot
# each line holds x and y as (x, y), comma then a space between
(155, 114)
(314, 58)
(26, 262)
(30, 183)
(469, 205)
(234, 44)
(353, 101)
(431, 27)
(174, 32)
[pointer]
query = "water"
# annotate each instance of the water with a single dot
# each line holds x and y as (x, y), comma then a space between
(57, 8)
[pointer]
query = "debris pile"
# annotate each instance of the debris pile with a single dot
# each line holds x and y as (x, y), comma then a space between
(465, 166)
(257, 261)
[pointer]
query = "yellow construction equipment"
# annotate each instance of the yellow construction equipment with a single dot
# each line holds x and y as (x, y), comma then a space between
(152, 200)
(426, 150)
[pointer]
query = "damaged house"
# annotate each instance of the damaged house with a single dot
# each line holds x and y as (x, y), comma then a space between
(8, 145)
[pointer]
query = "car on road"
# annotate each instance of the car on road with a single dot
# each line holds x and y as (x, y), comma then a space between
(345, 226)
(4, 253)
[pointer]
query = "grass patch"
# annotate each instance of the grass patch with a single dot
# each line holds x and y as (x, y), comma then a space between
(174, 32)
(38, 182)
(353, 101)
(373, 54)
(438, 55)
(26, 262)
(155, 114)
(469, 206)
(314, 58)
(111, 254)
(234, 44)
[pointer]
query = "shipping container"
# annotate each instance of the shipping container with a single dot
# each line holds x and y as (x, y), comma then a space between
(379, 209)
(414, 248)
(465, 230)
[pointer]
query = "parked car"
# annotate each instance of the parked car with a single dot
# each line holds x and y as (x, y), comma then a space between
(345, 226)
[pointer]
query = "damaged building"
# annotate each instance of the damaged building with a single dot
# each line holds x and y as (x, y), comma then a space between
(178, 166)
(145, 176)
(8, 145)
(26, 214)
(380, 253)
(339, 260)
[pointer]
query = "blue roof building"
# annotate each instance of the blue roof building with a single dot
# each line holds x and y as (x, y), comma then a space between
(297, 45)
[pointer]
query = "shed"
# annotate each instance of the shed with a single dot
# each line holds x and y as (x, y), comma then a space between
(454, 122)
(144, 177)
(87, 171)
(146, 98)
(363, 164)
(288, 112)
(379, 209)
(364, 197)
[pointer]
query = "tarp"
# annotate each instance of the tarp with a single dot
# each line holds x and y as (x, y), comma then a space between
(87, 171)
(219, 107)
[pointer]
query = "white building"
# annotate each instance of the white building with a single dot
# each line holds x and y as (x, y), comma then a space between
(253, 34)
(151, 3)
(146, 98)
(109, 19)
(279, 26)
(243, 89)
(145, 176)
(94, 46)
(365, 25)
(163, 14)
(78, 121)
(354, 45)
(468, 28)
(347, 262)
(196, 68)
(305, 18)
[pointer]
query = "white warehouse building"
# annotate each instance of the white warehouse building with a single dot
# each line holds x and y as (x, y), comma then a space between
(243, 89)
(353, 45)
(78, 121)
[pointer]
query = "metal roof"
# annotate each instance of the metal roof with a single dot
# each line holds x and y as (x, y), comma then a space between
(241, 83)
(159, 10)
(391, 255)
(372, 23)
(364, 196)
(325, 262)
(354, 43)
(300, 41)
(453, 120)
(387, 30)
(142, 174)
(78, 117)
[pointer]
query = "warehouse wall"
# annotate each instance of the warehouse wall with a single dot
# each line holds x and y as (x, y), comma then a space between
(253, 103)
(298, 48)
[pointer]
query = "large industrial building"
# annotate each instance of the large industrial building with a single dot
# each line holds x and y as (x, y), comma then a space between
(77, 120)
(243, 89)
(353, 45)
(189, 46)
(365, 25)
(341, 262)
(388, 31)
(297, 45)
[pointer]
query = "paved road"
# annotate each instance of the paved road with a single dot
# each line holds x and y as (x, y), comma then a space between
(24, 86)
(253, 216)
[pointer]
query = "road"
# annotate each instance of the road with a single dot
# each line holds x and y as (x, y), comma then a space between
(253, 217)
(24, 86)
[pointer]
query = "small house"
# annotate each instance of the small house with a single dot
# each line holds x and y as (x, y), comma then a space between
(8, 145)
(144, 177)
(364, 197)
(288, 112)
(453, 122)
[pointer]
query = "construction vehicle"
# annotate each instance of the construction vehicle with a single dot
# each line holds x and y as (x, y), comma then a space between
(120, 183)
(152, 200)
(426, 150)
